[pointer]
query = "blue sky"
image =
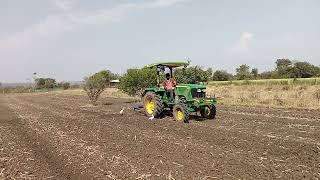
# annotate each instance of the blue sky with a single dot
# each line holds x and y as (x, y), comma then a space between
(71, 39)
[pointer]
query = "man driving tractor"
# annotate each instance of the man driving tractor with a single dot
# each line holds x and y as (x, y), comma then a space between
(181, 99)
(169, 84)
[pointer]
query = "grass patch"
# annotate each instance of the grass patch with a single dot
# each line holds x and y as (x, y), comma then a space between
(279, 96)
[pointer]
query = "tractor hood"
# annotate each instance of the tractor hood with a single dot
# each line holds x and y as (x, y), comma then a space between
(191, 86)
(191, 91)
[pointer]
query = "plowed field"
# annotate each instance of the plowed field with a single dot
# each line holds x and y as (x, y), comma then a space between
(56, 136)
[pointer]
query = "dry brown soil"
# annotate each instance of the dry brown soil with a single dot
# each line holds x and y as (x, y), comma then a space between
(56, 136)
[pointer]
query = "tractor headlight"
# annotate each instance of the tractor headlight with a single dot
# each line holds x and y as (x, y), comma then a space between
(199, 90)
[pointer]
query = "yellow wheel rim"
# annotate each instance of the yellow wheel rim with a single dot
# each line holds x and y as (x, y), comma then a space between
(149, 106)
(179, 115)
(207, 110)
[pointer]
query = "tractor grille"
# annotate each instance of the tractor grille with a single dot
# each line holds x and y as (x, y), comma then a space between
(196, 94)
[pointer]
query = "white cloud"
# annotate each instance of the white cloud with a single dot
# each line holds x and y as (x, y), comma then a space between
(53, 26)
(243, 42)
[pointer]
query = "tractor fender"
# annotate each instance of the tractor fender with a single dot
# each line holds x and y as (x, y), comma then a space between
(158, 91)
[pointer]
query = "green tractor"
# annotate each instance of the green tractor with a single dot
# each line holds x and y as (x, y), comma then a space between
(188, 98)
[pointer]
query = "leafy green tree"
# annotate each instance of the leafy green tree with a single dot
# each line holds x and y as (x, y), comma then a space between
(203, 75)
(45, 83)
(254, 73)
(136, 80)
(40, 83)
(283, 63)
(209, 73)
(192, 75)
(114, 76)
(221, 75)
(50, 83)
(185, 76)
(96, 84)
(65, 85)
(284, 68)
(304, 70)
(243, 72)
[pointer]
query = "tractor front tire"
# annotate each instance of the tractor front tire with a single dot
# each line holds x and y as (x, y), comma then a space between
(208, 112)
(181, 113)
(152, 104)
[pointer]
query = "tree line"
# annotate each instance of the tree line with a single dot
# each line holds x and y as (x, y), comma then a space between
(50, 83)
(285, 68)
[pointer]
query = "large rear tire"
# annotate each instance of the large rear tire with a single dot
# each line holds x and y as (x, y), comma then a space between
(208, 112)
(152, 104)
(181, 113)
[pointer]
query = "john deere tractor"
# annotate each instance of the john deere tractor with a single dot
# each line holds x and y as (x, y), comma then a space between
(188, 98)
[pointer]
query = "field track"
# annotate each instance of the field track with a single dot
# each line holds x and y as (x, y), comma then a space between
(56, 136)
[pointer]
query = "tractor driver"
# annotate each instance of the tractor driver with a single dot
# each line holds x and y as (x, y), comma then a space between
(169, 84)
